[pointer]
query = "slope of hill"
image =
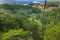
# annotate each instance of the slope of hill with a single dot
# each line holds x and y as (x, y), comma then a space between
(21, 9)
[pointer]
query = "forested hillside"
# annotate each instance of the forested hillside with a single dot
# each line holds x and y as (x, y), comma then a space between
(24, 22)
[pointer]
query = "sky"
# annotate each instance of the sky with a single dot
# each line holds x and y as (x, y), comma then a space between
(2, 1)
(21, 0)
(29, 0)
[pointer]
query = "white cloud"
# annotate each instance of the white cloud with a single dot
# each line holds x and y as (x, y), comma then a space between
(35, 2)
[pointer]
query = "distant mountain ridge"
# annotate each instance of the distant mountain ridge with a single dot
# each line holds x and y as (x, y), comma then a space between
(21, 2)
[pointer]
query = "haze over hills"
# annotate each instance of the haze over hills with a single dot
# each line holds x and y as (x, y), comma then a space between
(21, 1)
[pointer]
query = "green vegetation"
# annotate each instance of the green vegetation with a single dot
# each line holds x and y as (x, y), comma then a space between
(19, 22)
(52, 31)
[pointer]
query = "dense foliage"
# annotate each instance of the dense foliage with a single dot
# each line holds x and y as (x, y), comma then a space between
(16, 17)
(21, 22)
